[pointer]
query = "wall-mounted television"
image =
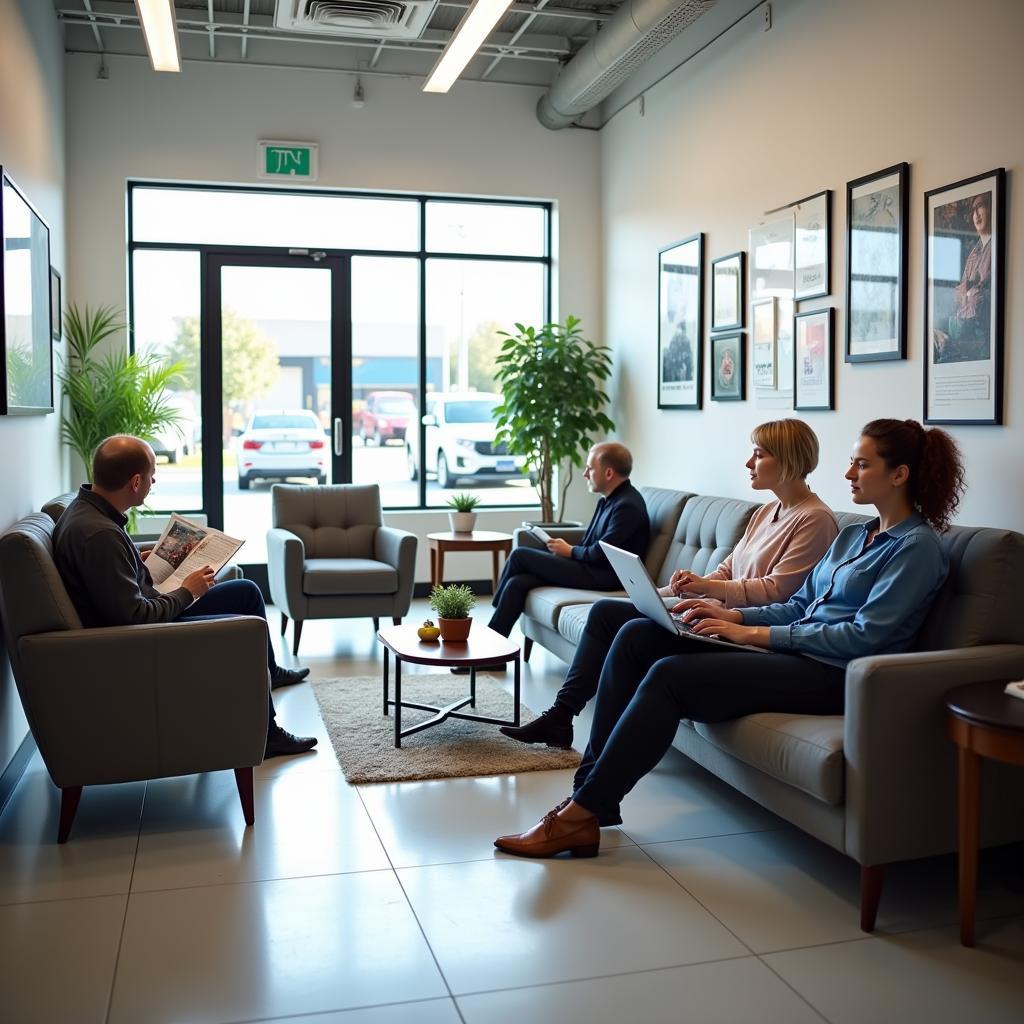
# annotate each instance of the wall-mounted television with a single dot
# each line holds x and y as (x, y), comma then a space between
(26, 374)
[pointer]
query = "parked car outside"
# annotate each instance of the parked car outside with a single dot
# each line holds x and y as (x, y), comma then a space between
(460, 440)
(176, 442)
(280, 443)
(386, 416)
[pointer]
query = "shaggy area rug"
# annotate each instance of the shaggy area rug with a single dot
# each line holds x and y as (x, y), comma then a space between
(364, 740)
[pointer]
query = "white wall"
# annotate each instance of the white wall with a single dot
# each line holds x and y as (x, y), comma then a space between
(32, 150)
(834, 91)
(204, 125)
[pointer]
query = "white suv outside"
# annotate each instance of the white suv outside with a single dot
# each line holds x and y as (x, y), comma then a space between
(460, 440)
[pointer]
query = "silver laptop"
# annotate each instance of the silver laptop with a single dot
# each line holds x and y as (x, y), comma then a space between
(645, 597)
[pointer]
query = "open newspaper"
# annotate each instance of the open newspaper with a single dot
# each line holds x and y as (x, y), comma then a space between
(185, 546)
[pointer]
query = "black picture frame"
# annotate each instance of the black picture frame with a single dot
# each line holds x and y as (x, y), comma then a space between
(876, 265)
(812, 246)
(814, 360)
(26, 370)
(964, 300)
(727, 369)
(55, 305)
(681, 323)
(728, 291)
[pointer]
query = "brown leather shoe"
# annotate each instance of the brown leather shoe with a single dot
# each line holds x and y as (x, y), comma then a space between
(554, 835)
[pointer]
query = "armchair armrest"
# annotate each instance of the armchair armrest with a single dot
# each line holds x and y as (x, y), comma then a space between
(286, 559)
(522, 537)
(115, 704)
(900, 763)
(398, 548)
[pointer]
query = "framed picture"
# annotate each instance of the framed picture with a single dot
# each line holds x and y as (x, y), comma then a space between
(762, 318)
(964, 273)
(680, 323)
(727, 277)
(771, 277)
(814, 365)
(812, 236)
(727, 370)
(26, 372)
(55, 306)
(876, 265)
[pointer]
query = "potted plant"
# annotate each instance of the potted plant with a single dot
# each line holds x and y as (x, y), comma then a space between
(462, 516)
(552, 381)
(453, 602)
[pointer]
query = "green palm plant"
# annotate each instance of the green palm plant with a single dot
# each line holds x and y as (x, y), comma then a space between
(114, 393)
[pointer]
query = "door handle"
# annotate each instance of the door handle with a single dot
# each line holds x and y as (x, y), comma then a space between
(339, 440)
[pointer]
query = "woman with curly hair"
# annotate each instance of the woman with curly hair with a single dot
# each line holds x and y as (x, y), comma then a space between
(868, 595)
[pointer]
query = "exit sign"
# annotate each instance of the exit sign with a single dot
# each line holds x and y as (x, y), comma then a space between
(293, 160)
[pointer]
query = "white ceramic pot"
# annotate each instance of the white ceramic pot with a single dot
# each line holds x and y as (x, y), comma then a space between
(462, 522)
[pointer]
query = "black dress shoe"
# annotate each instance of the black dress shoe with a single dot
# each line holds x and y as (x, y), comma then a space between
(287, 676)
(280, 742)
(554, 728)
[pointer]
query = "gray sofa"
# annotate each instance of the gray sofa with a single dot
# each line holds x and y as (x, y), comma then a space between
(879, 782)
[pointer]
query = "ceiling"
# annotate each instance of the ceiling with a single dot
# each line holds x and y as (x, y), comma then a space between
(530, 45)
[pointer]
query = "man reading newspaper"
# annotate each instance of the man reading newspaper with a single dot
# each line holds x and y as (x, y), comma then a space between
(110, 585)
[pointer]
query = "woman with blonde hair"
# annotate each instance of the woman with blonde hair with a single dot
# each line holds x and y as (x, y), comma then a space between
(781, 544)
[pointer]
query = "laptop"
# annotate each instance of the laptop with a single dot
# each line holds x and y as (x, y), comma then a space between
(645, 597)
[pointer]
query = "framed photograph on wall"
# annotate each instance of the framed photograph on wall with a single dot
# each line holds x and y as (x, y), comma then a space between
(762, 319)
(26, 372)
(814, 365)
(680, 323)
(812, 235)
(964, 272)
(727, 277)
(727, 370)
(876, 265)
(55, 304)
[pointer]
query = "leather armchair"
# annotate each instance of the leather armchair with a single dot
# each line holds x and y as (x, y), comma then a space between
(126, 703)
(329, 556)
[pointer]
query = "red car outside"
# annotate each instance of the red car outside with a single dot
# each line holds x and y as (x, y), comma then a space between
(386, 416)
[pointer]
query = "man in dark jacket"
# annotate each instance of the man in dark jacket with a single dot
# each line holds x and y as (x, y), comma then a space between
(109, 584)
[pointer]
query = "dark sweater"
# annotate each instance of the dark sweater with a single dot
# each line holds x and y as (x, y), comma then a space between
(620, 519)
(106, 579)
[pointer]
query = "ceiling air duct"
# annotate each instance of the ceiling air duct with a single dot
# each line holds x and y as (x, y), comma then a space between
(633, 34)
(380, 19)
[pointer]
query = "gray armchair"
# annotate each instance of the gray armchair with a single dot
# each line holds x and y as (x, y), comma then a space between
(125, 703)
(330, 557)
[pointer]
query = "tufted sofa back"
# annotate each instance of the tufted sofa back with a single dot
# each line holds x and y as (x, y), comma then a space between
(339, 521)
(708, 530)
(663, 509)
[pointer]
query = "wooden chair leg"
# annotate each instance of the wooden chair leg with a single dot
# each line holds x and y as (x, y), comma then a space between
(284, 623)
(376, 623)
(396, 620)
(243, 779)
(527, 648)
(298, 633)
(871, 879)
(69, 797)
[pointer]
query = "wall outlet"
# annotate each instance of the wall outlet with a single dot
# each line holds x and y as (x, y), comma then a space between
(767, 17)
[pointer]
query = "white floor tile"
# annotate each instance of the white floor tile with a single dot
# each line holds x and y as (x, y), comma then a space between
(458, 819)
(193, 832)
(919, 976)
(727, 992)
(57, 960)
(270, 949)
(299, 713)
(511, 922)
(437, 1011)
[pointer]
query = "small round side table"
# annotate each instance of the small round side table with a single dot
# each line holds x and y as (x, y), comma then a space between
(983, 721)
(478, 540)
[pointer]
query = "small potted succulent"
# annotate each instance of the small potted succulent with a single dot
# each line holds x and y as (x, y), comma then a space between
(453, 602)
(462, 516)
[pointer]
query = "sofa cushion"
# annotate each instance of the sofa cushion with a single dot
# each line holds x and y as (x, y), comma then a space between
(663, 509)
(545, 603)
(708, 530)
(335, 576)
(805, 751)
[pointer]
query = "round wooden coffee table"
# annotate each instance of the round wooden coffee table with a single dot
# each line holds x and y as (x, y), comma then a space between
(478, 540)
(484, 647)
(983, 721)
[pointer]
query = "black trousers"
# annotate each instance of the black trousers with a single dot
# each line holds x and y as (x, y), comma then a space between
(527, 568)
(652, 679)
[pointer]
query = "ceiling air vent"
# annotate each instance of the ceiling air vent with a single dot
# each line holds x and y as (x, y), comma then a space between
(379, 19)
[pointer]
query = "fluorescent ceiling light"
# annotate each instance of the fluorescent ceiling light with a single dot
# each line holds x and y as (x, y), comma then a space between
(474, 28)
(161, 32)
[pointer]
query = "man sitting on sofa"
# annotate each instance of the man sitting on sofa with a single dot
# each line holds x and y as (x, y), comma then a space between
(620, 519)
(109, 584)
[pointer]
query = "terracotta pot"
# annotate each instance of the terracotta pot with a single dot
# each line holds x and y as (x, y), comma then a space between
(454, 631)
(462, 522)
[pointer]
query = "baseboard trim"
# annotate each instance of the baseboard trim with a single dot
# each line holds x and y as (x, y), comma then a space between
(15, 769)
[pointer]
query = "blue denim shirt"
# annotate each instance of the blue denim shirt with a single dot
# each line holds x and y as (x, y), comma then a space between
(860, 599)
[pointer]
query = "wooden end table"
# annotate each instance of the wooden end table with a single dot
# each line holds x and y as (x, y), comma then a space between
(484, 647)
(478, 540)
(983, 721)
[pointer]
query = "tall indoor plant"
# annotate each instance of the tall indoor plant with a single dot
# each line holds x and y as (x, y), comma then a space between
(112, 392)
(551, 380)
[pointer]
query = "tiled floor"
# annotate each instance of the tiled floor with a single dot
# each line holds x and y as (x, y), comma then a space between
(385, 904)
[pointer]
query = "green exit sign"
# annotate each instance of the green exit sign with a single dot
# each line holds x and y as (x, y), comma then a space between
(293, 160)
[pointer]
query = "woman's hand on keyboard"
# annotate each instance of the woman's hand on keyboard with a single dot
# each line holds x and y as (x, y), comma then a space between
(697, 610)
